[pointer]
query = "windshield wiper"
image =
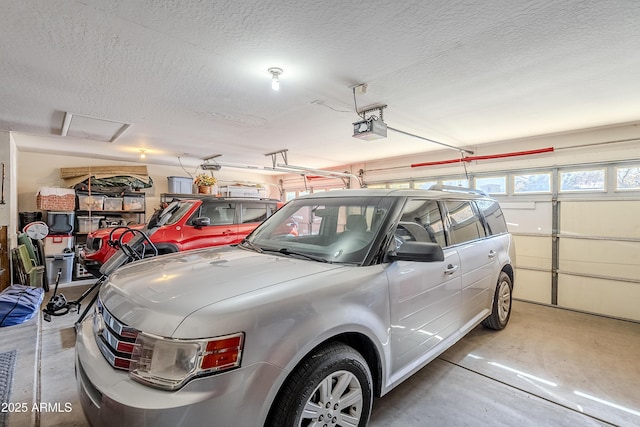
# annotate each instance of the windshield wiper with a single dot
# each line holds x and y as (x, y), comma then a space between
(287, 251)
(245, 243)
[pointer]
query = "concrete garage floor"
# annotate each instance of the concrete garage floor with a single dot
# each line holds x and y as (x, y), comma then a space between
(549, 367)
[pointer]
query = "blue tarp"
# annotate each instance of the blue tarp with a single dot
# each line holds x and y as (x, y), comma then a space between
(19, 303)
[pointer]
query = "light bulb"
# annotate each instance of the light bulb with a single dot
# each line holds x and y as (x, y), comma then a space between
(275, 77)
(142, 154)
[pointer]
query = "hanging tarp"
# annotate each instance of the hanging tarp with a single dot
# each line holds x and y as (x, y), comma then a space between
(133, 177)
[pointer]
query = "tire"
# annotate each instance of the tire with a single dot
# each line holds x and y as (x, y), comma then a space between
(307, 397)
(501, 311)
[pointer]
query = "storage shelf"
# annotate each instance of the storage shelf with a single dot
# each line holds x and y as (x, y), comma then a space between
(103, 212)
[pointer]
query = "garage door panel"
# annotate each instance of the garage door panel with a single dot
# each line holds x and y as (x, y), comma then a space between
(610, 218)
(600, 257)
(608, 297)
(528, 217)
(533, 251)
(534, 286)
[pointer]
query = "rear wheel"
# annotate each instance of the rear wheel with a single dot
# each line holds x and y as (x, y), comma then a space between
(332, 387)
(501, 311)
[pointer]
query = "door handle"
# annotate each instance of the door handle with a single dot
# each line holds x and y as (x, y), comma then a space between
(492, 253)
(451, 269)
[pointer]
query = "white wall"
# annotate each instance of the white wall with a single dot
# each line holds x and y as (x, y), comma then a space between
(8, 212)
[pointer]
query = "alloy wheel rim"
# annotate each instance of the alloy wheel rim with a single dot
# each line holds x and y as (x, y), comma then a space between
(504, 301)
(336, 401)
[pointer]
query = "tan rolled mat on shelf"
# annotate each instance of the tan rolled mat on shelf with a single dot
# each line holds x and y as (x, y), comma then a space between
(74, 176)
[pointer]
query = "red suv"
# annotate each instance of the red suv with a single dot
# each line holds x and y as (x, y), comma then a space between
(196, 223)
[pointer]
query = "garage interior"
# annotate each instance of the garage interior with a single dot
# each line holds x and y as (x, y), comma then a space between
(535, 103)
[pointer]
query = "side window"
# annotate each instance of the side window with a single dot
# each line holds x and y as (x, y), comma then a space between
(421, 221)
(219, 213)
(465, 222)
(253, 212)
(493, 216)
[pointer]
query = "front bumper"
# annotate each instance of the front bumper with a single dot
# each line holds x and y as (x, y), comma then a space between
(110, 397)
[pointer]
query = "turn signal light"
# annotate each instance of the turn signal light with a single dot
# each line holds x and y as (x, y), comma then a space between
(222, 353)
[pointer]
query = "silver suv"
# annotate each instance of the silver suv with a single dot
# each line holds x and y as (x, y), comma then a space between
(297, 328)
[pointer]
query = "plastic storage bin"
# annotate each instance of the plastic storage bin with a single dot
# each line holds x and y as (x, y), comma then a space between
(90, 202)
(60, 222)
(87, 224)
(180, 185)
(112, 204)
(133, 203)
(60, 262)
(110, 221)
(56, 244)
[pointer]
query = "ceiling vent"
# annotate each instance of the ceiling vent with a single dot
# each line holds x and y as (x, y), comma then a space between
(86, 127)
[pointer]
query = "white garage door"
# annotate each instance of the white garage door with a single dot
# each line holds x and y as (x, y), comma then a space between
(579, 248)
(599, 257)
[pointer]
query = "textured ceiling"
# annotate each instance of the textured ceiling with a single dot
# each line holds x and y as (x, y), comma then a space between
(191, 76)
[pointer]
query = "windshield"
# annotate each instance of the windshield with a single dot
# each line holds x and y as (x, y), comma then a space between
(183, 208)
(340, 229)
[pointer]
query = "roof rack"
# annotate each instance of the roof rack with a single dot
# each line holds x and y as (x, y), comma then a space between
(456, 189)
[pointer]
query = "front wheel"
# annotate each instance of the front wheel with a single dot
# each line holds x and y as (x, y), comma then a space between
(332, 387)
(501, 311)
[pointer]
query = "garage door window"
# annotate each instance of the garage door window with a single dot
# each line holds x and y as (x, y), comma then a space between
(628, 178)
(424, 185)
(456, 182)
(400, 185)
(582, 180)
(492, 185)
(532, 183)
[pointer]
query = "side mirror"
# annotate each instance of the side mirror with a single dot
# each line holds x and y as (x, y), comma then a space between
(417, 251)
(202, 221)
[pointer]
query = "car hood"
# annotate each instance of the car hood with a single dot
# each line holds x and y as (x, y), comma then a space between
(156, 295)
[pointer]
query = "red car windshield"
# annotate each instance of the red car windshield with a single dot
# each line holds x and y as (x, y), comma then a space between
(184, 207)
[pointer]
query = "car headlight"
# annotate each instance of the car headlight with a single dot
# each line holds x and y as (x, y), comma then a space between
(170, 363)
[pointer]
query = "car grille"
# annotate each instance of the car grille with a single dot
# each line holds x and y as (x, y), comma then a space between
(115, 339)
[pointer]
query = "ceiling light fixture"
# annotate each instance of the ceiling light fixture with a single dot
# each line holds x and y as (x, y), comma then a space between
(275, 77)
(143, 154)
